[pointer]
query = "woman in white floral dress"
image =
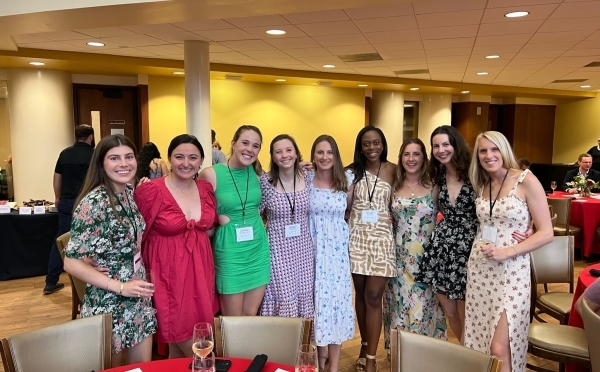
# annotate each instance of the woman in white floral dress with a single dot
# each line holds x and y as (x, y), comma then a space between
(498, 271)
(107, 227)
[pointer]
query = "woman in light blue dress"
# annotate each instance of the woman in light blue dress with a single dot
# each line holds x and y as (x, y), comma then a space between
(334, 313)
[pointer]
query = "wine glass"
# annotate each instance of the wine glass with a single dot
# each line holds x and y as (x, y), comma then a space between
(204, 364)
(202, 341)
(553, 186)
(148, 277)
(307, 360)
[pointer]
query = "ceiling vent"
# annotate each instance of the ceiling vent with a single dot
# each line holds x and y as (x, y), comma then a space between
(568, 81)
(593, 64)
(364, 57)
(412, 72)
(233, 77)
(324, 83)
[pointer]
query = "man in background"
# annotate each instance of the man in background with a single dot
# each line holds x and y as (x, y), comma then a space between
(69, 174)
(585, 163)
(523, 163)
(217, 155)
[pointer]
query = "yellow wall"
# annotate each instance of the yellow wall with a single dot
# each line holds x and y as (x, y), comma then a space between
(576, 130)
(4, 132)
(301, 111)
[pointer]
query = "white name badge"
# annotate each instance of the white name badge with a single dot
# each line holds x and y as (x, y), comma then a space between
(292, 230)
(369, 215)
(4, 209)
(244, 233)
(137, 262)
(39, 209)
(25, 210)
(489, 234)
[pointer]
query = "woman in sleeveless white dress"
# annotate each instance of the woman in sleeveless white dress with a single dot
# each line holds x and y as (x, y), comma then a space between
(498, 271)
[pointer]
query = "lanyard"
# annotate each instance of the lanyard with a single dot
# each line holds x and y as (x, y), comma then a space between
(130, 217)
(500, 189)
(369, 193)
(292, 206)
(238, 191)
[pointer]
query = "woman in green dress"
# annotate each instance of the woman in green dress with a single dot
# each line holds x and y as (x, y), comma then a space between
(241, 248)
(107, 228)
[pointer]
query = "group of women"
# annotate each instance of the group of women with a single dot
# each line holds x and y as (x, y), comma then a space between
(373, 222)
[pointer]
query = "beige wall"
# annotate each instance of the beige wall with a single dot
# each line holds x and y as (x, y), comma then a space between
(302, 111)
(576, 130)
(4, 132)
(434, 110)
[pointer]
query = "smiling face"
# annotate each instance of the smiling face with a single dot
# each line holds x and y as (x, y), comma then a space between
(371, 146)
(284, 154)
(120, 166)
(185, 161)
(323, 156)
(412, 159)
(441, 148)
(246, 148)
(489, 155)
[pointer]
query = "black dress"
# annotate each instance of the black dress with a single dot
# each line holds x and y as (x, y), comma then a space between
(444, 264)
(595, 158)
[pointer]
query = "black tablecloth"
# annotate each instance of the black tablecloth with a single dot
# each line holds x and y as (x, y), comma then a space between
(25, 243)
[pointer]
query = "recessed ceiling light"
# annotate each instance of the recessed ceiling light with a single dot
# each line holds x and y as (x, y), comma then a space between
(516, 14)
(465, 91)
(415, 88)
(37, 63)
(276, 32)
(280, 80)
(329, 66)
(95, 43)
(363, 85)
(586, 86)
(482, 73)
(178, 73)
(493, 56)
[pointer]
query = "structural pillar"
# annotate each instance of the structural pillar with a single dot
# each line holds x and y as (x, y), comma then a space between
(40, 104)
(197, 94)
(387, 114)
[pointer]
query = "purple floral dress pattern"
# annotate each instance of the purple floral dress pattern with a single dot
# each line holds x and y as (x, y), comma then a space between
(291, 290)
(407, 304)
(96, 233)
(496, 287)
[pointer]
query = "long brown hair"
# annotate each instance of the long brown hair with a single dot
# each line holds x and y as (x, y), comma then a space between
(340, 182)
(424, 180)
(461, 159)
(274, 168)
(96, 175)
(256, 165)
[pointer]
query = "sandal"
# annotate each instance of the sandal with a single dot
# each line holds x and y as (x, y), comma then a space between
(373, 358)
(361, 362)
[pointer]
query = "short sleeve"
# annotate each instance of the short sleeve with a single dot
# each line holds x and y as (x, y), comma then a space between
(148, 200)
(90, 231)
(349, 177)
(592, 292)
(58, 168)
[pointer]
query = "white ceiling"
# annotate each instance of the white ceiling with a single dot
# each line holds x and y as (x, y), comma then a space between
(448, 38)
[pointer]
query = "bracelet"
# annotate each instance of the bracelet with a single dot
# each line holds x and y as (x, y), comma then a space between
(107, 284)
(121, 290)
(515, 249)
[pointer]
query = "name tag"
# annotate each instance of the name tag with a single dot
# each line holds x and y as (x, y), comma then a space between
(244, 233)
(39, 209)
(137, 262)
(489, 234)
(25, 210)
(292, 230)
(4, 209)
(369, 215)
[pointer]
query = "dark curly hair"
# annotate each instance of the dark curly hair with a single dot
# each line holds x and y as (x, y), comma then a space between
(461, 159)
(147, 153)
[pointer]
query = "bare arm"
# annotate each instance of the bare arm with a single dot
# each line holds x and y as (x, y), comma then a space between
(208, 174)
(56, 184)
(164, 168)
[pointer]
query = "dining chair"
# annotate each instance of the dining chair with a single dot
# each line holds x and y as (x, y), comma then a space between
(558, 343)
(553, 263)
(78, 345)
(591, 321)
(247, 336)
(562, 208)
(77, 285)
(411, 352)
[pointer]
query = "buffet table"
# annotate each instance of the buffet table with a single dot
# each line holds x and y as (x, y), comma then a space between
(25, 243)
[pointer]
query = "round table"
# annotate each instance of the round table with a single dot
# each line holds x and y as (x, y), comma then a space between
(182, 365)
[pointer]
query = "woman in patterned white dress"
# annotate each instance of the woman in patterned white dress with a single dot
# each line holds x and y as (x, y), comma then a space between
(498, 278)
(334, 313)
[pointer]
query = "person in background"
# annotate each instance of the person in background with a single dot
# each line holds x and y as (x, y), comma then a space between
(69, 174)
(150, 165)
(334, 313)
(595, 153)
(108, 228)
(180, 215)
(407, 304)
(217, 155)
(498, 298)
(523, 163)
(240, 245)
(585, 164)
(372, 250)
(592, 296)
(285, 204)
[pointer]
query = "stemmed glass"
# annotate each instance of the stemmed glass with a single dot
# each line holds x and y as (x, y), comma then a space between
(553, 186)
(307, 360)
(202, 341)
(148, 277)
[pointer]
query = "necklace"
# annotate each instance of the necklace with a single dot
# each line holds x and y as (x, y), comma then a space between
(412, 188)
(183, 191)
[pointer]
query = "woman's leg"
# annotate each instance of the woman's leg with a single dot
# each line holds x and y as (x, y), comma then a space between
(360, 283)
(231, 304)
(252, 300)
(451, 310)
(500, 346)
(373, 298)
(181, 349)
(141, 352)
(460, 306)
(116, 359)
(334, 357)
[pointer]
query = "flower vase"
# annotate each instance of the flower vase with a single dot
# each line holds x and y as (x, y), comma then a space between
(585, 192)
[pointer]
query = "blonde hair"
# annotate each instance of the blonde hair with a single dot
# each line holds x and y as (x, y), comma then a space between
(478, 176)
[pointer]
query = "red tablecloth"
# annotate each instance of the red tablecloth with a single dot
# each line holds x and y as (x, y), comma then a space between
(585, 213)
(584, 281)
(182, 365)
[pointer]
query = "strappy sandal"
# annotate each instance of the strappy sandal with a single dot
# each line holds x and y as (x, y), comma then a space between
(373, 358)
(361, 362)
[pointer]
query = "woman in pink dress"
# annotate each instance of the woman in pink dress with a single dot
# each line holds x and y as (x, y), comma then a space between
(180, 213)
